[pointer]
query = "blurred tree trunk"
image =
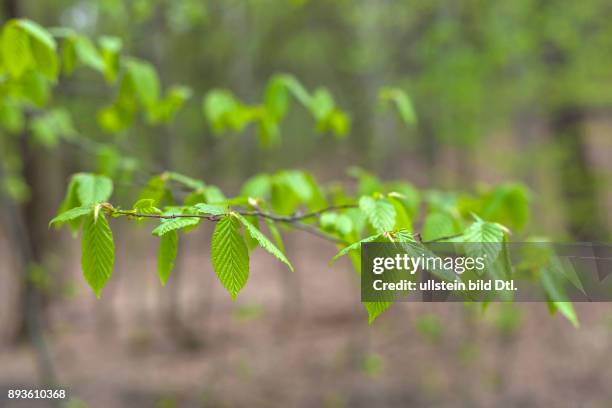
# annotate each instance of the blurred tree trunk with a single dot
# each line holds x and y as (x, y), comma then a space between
(28, 231)
(578, 183)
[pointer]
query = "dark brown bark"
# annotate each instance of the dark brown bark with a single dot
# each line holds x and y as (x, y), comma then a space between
(28, 231)
(578, 183)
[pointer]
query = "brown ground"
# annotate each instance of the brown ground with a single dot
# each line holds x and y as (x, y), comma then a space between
(302, 340)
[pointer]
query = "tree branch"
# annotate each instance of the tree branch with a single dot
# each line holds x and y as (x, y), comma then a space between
(261, 214)
(294, 220)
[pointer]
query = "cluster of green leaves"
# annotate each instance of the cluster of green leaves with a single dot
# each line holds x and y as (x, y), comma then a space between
(376, 212)
(225, 112)
(140, 89)
(32, 59)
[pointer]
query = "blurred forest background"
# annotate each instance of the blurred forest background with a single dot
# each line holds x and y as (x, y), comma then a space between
(504, 91)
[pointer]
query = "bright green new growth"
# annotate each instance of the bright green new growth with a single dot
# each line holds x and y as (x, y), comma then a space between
(93, 188)
(230, 255)
(380, 212)
(97, 252)
(174, 224)
(263, 241)
(168, 249)
(210, 209)
(70, 215)
(356, 246)
(30, 62)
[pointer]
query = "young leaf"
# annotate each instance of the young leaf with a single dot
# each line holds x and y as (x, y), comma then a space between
(71, 200)
(187, 181)
(251, 242)
(438, 225)
(298, 183)
(214, 194)
(379, 212)
(402, 103)
(484, 239)
(93, 188)
(567, 310)
(70, 215)
(97, 252)
(402, 219)
(88, 54)
(37, 33)
(144, 81)
(16, 54)
(275, 234)
(264, 242)
(210, 209)
(155, 189)
(146, 206)
(230, 255)
(42, 47)
(356, 245)
(174, 224)
(276, 97)
(168, 248)
(375, 309)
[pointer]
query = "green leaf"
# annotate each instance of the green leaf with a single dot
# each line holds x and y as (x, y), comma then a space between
(438, 225)
(321, 104)
(144, 81)
(71, 200)
(173, 224)
(38, 33)
(402, 219)
(264, 242)
(45, 59)
(251, 242)
(16, 54)
(380, 213)
(275, 234)
(210, 209)
(166, 109)
(258, 186)
(42, 47)
(97, 252)
(214, 194)
(223, 111)
(375, 309)
(230, 255)
(402, 103)
(296, 89)
(93, 188)
(484, 239)
(70, 215)
(187, 181)
(146, 206)
(168, 249)
(482, 231)
(88, 54)
(155, 189)
(34, 88)
(51, 126)
(356, 245)
(298, 183)
(567, 310)
(276, 97)
(110, 48)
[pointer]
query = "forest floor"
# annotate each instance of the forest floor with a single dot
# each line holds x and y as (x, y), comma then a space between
(300, 339)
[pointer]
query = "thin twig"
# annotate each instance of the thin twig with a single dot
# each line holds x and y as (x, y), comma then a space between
(293, 220)
(275, 217)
